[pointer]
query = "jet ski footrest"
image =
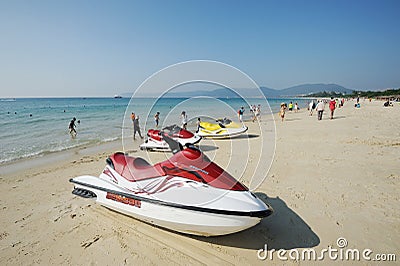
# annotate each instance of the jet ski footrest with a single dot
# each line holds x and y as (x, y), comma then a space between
(84, 193)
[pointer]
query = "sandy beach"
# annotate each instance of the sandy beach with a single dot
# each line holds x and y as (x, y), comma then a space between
(329, 179)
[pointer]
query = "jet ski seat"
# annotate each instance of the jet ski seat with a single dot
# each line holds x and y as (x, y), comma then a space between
(135, 169)
(155, 134)
(210, 126)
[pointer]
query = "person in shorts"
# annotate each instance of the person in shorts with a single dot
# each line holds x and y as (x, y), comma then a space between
(72, 127)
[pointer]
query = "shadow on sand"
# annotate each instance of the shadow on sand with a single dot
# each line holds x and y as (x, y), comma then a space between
(338, 117)
(284, 229)
(205, 148)
(291, 119)
(243, 136)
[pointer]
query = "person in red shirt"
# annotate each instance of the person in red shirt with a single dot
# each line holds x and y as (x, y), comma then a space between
(332, 106)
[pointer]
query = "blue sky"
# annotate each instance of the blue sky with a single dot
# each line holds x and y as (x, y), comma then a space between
(99, 48)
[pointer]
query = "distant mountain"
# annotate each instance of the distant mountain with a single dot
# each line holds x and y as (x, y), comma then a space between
(217, 93)
(299, 90)
(306, 89)
(270, 93)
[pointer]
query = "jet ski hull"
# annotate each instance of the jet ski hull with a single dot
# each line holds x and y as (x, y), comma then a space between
(228, 214)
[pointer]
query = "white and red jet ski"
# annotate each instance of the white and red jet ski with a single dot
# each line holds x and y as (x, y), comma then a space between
(155, 139)
(186, 193)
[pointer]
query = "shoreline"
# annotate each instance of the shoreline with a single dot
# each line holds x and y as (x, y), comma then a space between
(37, 161)
(35, 140)
(22, 164)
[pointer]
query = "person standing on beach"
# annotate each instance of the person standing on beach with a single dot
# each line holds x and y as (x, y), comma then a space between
(296, 107)
(184, 119)
(282, 111)
(258, 112)
(72, 127)
(254, 111)
(290, 106)
(320, 109)
(240, 114)
(157, 118)
(133, 117)
(136, 128)
(198, 123)
(311, 107)
(332, 106)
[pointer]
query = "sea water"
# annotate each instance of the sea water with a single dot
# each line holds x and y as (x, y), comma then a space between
(37, 126)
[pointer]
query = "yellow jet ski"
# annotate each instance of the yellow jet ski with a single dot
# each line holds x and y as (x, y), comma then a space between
(224, 128)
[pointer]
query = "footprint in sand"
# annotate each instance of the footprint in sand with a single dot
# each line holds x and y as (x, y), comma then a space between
(88, 243)
(3, 235)
(23, 218)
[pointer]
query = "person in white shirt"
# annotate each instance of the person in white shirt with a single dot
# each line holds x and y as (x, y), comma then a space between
(320, 108)
(184, 119)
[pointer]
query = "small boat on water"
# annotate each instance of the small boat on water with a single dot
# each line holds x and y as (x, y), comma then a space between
(117, 96)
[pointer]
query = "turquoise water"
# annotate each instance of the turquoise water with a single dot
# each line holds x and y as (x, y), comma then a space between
(101, 119)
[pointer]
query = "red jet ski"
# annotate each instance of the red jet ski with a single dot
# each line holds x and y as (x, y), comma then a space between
(155, 139)
(186, 193)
